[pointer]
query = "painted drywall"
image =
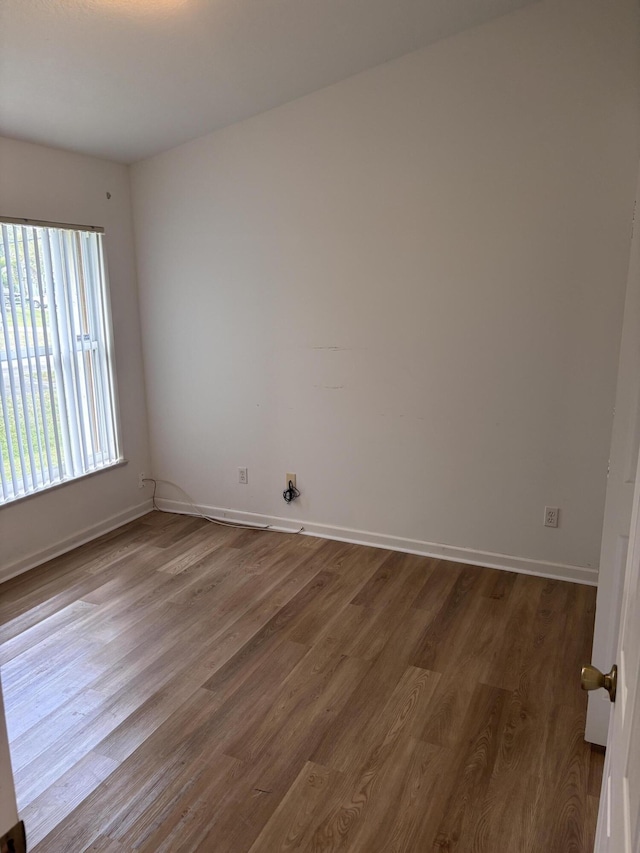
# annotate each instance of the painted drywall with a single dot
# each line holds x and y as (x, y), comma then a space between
(408, 289)
(8, 807)
(149, 74)
(47, 184)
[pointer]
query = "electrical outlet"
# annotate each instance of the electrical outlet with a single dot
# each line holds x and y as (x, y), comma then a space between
(243, 476)
(551, 514)
(291, 477)
(141, 479)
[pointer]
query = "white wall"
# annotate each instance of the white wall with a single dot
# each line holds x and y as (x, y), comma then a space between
(57, 186)
(408, 289)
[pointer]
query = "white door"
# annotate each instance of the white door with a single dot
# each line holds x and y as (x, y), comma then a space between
(619, 816)
(8, 808)
(623, 461)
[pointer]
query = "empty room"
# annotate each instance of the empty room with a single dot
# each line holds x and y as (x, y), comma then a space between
(319, 426)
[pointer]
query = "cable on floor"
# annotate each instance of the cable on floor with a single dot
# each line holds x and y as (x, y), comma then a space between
(200, 514)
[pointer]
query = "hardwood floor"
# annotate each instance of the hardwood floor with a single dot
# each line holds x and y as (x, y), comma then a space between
(179, 686)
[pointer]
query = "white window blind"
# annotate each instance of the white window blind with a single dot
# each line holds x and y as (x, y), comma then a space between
(57, 394)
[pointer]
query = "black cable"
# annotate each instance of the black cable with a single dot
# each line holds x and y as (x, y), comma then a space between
(290, 493)
(155, 486)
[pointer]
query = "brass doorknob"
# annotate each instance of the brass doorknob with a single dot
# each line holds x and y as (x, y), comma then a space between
(592, 679)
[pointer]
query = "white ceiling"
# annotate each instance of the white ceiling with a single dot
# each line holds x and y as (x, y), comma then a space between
(124, 79)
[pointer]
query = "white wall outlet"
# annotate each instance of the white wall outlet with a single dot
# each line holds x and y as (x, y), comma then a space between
(243, 476)
(551, 514)
(141, 479)
(291, 477)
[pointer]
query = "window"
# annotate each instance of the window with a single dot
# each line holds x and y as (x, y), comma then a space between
(57, 394)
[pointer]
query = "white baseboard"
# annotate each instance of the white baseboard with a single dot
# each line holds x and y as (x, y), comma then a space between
(36, 558)
(522, 565)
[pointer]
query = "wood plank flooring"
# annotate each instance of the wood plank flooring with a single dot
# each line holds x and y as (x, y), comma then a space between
(179, 686)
